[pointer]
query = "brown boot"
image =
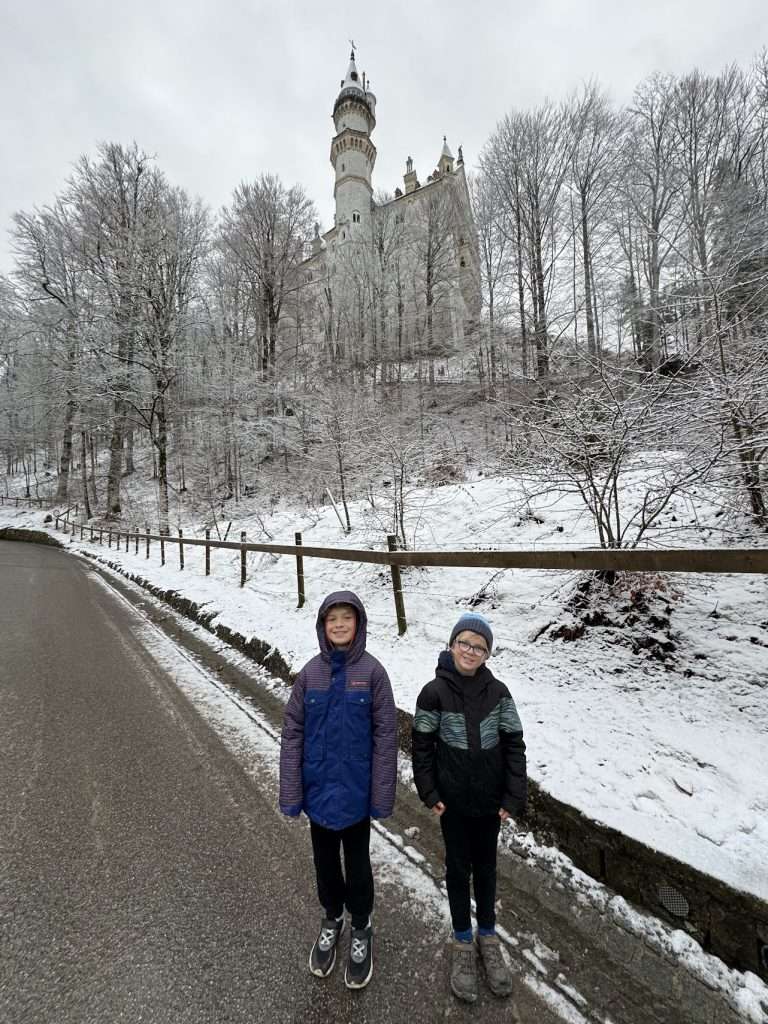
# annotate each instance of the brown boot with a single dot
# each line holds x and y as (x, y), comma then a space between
(497, 973)
(464, 971)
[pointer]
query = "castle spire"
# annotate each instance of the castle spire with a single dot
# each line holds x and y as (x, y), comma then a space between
(445, 163)
(352, 78)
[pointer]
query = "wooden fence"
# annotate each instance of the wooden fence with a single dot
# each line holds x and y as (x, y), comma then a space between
(714, 560)
(12, 500)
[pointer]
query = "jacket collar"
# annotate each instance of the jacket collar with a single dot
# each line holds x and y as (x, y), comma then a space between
(446, 669)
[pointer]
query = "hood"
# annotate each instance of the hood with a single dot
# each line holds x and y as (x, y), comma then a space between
(357, 647)
(465, 685)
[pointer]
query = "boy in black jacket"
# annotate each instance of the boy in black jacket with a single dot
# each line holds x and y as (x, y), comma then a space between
(469, 767)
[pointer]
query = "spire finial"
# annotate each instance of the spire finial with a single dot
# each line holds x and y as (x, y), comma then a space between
(352, 44)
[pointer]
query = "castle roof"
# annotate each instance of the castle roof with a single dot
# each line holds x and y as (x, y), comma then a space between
(353, 87)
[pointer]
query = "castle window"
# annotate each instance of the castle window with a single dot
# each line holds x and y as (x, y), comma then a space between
(343, 167)
(463, 262)
(356, 217)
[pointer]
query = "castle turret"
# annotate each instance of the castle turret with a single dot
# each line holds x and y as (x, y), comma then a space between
(410, 178)
(353, 155)
(445, 164)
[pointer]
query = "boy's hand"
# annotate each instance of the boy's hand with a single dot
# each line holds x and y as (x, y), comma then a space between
(504, 814)
(438, 808)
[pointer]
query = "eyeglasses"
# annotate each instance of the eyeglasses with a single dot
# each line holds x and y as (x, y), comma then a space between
(471, 648)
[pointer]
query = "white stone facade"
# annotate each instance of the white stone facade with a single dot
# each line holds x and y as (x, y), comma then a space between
(414, 257)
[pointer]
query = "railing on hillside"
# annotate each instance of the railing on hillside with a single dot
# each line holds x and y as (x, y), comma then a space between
(714, 560)
(8, 499)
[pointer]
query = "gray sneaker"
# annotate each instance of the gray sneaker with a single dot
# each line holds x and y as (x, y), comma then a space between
(464, 971)
(497, 973)
(323, 955)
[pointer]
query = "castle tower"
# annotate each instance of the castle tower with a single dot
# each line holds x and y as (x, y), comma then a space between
(445, 163)
(353, 156)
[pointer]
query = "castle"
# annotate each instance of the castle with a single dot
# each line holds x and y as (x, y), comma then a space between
(397, 277)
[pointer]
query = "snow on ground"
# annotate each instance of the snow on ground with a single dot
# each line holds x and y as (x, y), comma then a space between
(668, 753)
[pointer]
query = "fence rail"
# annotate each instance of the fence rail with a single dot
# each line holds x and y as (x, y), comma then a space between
(7, 499)
(712, 560)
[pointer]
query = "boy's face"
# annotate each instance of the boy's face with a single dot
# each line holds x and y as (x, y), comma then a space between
(341, 625)
(469, 651)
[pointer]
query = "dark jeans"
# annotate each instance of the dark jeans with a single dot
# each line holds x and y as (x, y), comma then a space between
(355, 892)
(470, 852)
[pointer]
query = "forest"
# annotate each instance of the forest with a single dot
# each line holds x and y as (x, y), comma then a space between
(624, 264)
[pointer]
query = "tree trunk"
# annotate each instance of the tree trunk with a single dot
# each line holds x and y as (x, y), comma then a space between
(62, 487)
(586, 256)
(162, 464)
(84, 475)
(521, 294)
(92, 451)
(115, 458)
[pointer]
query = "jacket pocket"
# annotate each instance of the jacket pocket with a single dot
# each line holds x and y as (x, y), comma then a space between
(357, 721)
(315, 717)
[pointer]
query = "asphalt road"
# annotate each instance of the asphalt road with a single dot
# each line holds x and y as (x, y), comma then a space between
(145, 875)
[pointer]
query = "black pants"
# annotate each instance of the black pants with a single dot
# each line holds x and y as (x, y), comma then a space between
(470, 852)
(352, 888)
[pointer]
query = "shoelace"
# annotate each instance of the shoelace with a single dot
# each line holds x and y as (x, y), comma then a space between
(492, 955)
(467, 960)
(327, 938)
(359, 950)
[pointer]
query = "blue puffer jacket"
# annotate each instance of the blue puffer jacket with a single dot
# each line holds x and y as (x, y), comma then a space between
(338, 755)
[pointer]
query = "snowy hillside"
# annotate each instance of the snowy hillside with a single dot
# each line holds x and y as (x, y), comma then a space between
(653, 721)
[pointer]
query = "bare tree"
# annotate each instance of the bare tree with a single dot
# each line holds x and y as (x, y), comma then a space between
(591, 439)
(594, 178)
(652, 185)
(266, 228)
(528, 158)
(114, 199)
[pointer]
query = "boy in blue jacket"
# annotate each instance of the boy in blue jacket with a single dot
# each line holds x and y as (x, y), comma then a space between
(338, 764)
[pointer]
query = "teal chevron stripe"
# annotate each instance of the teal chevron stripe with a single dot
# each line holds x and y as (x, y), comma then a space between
(426, 721)
(453, 730)
(489, 729)
(510, 720)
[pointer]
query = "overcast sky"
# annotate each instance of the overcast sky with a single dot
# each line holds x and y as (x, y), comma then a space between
(222, 91)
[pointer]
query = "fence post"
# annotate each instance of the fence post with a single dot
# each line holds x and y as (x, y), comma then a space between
(242, 559)
(101, 535)
(147, 532)
(136, 539)
(300, 572)
(82, 530)
(91, 532)
(57, 522)
(181, 548)
(397, 586)
(162, 550)
(127, 540)
(207, 553)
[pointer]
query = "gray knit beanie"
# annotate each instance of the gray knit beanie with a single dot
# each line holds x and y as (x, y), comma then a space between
(475, 622)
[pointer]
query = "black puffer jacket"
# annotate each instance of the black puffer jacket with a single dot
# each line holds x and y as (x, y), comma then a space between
(468, 749)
